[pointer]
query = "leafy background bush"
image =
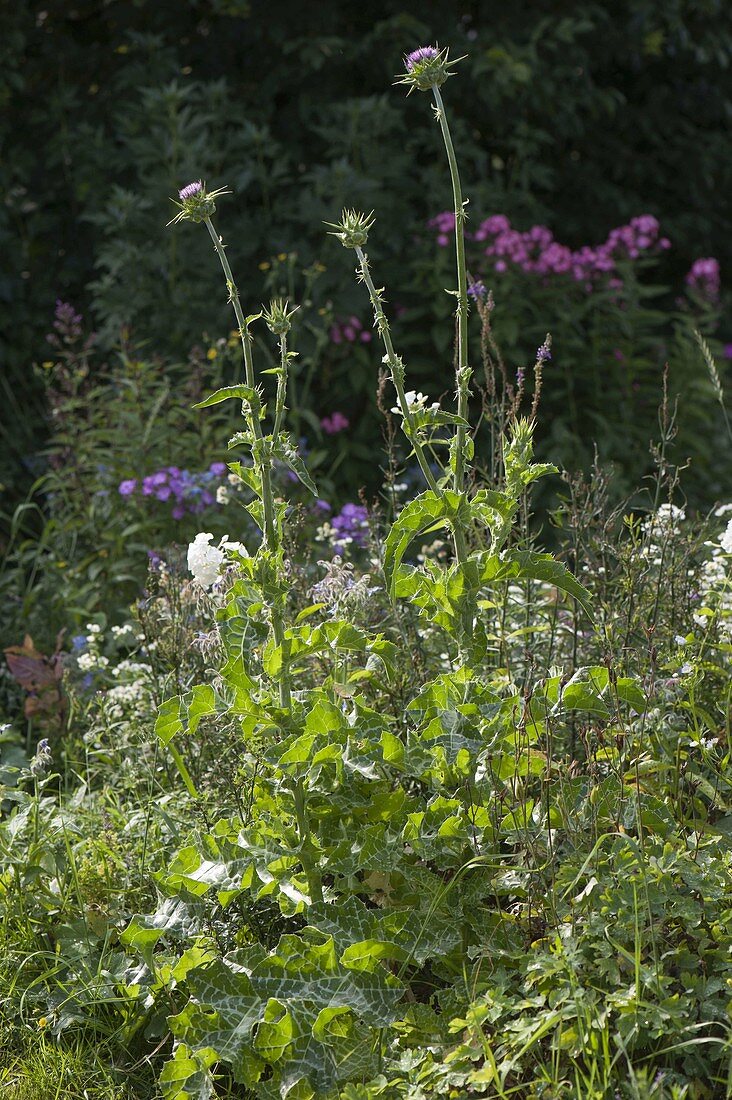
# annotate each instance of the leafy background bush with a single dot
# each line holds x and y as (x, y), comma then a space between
(578, 116)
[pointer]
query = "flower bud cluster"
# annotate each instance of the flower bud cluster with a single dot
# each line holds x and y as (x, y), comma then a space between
(277, 317)
(353, 228)
(195, 203)
(426, 68)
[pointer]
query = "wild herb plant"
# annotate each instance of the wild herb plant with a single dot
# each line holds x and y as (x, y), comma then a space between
(376, 834)
(434, 837)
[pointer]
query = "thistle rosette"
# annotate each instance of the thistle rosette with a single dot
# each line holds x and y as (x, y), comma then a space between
(195, 203)
(353, 228)
(427, 67)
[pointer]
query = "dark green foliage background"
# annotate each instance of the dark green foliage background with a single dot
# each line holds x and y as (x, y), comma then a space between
(577, 114)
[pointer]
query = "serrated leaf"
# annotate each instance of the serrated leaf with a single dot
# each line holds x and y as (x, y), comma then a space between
(540, 567)
(227, 393)
(183, 713)
(427, 511)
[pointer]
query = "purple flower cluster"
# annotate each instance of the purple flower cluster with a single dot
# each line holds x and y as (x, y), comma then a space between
(537, 252)
(416, 57)
(444, 226)
(67, 326)
(335, 423)
(543, 353)
(185, 491)
(350, 330)
(190, 190)
(350, 526)
(703, 279)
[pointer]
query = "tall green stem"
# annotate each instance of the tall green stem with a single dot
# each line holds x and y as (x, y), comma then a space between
(260, 449)
(315, 884)
(463, 368)
(463, 371)
(281, 387)
(396, 369)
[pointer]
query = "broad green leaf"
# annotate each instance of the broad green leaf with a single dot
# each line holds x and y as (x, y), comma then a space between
(184, 712)
(226, 393)
(540, 567)
(429, 510)
(186, 1076)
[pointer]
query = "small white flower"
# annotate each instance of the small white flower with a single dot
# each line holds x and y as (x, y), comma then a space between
(204, 560)
(416, 402)
(726, 540)
(222, 495)
(723, 510)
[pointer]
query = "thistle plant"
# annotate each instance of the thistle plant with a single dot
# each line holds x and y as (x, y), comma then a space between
(374, 813)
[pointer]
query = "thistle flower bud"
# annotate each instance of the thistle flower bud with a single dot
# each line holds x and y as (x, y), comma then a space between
(195, 203)
(41, 763)
(427, 67)
(277, 317)
(353, 228)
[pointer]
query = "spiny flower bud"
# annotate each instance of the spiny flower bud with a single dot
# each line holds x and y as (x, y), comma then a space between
(41, 763)
(196, 203)
(277, 317)
(427, 67)
(353, 228)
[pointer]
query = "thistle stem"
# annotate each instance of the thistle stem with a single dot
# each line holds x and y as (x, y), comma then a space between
(315, 884)
(396, 370)
(259, 449)
(463, 371)
(281, 387)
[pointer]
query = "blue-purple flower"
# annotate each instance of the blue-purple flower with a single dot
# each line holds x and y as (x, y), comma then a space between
(416, 57)
(190, 190)
(544, 353)
(195, 203)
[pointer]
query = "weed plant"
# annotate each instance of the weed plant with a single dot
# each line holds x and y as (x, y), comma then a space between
(426, 817)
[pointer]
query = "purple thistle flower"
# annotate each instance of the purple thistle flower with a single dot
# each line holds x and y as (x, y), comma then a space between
(543, 353)
(477, 290)
(127, 488)
(190, 190)
(416, 57)
(218, 469)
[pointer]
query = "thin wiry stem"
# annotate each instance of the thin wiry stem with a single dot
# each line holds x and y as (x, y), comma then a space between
(259, 449)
